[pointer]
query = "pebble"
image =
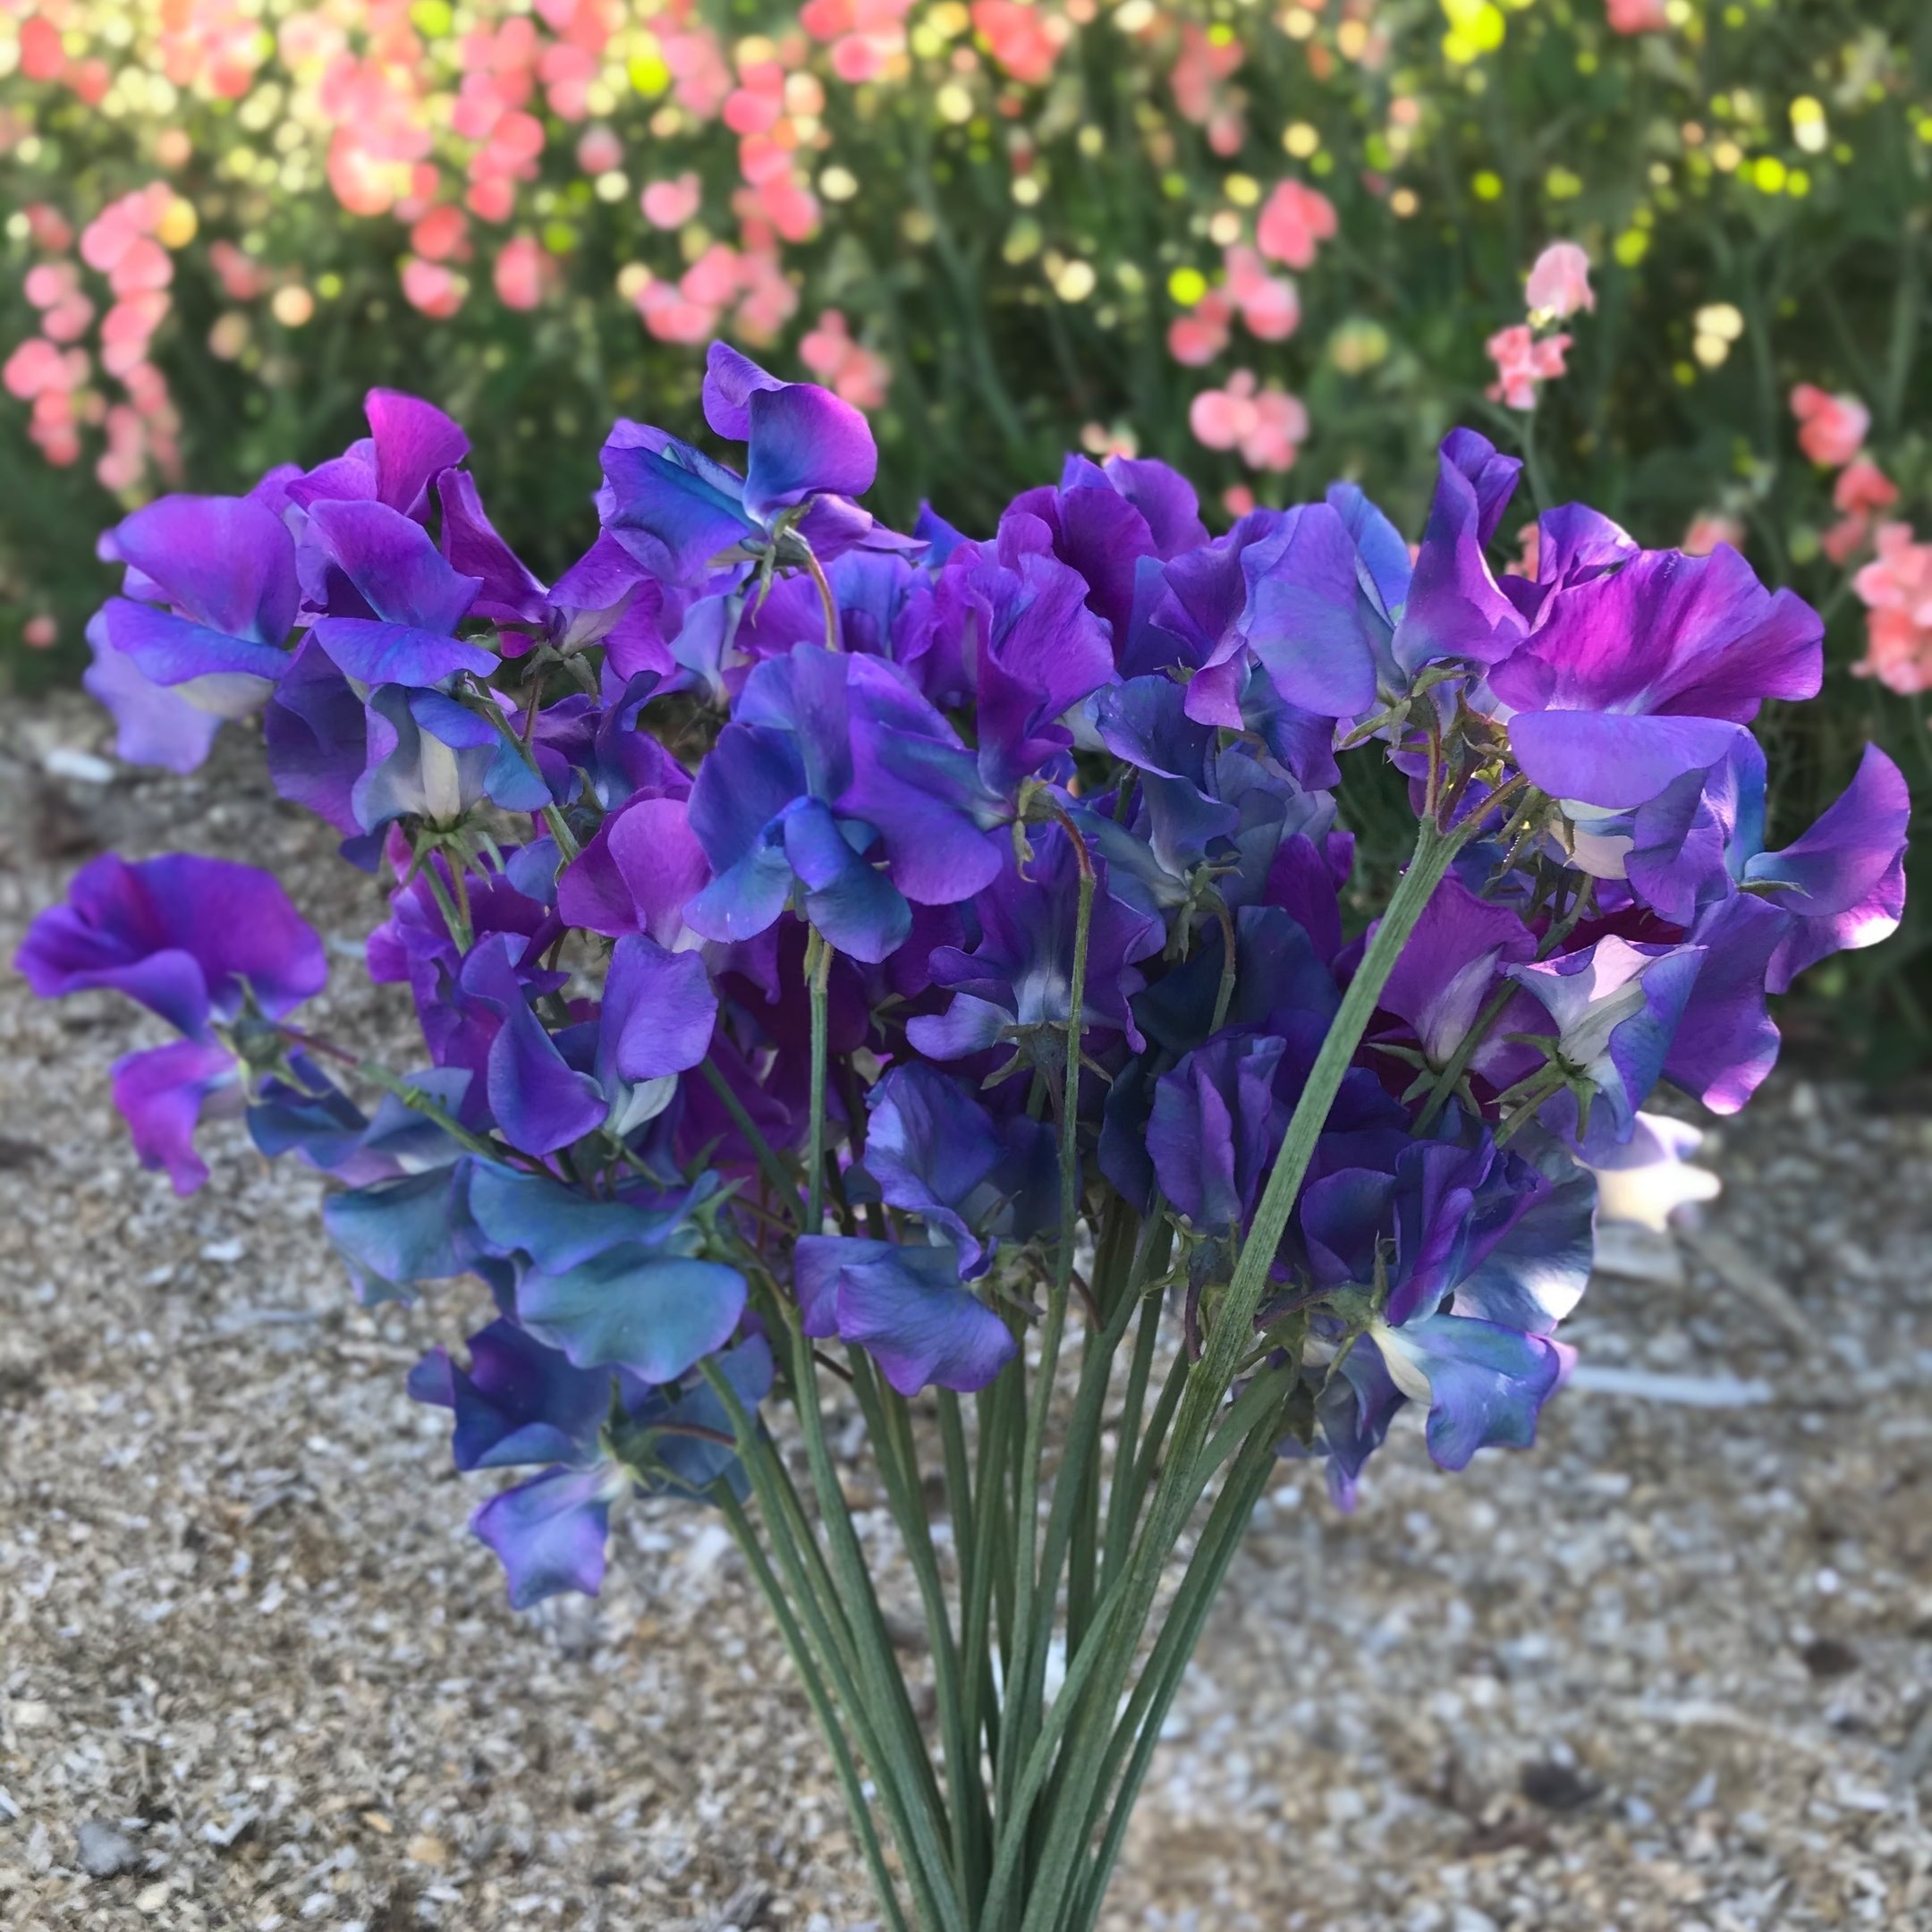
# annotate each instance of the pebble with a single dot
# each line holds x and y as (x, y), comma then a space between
(105, 1850)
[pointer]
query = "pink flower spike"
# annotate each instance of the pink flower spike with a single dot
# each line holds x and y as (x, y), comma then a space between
(1559, 283)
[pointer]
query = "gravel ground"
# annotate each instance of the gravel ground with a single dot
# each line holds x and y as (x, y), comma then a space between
(1672, 1671)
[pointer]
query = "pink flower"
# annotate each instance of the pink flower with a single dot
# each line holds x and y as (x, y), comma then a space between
(1294, 220)
(1202, 64)
(36, 366)
(40, 632)
(599, 150)
(1896, 589)
(1237, 499)
(1559, 281)
(670, 204)
(48, 282)
(1862, 485)
(1023, 39)
(441, 234)
(670, 317)
(1708, 531)
(1636, 16)
(1862, 490)
(436, 290)
(1197, 337)
(848, 368)
(1831, 429)
(1269, 304)
(521, 271)
(1266, 425)
(49, 228)
(242, 279)
(69, 318)
(1522, 361)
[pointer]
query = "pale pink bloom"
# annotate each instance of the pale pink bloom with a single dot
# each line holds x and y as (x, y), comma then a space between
(134, 317)
(441, 234)
(1559, 281)
(49, 228)
(599, 150)
(568, 73)
(42, 56)
(670, 204)
(48, 282)
(35, 368)
(1896, 589)
(1861, 491)
(1238, 500)
(757, 103)
(1294, 220)
(1522, 361)
(1530, 549)
(1831, 429)
(672, 316)
(1265, 425)
(90, 80)
(714, 278)
(69, 318)
(1636, 16)
(1862, 485)
(866, 35)
(697, 67)
(849, 369)
(1023, 39)
(242, 279)
(770, 300)
(40, 632)
(1269, 304)
(522, 272)
(491, 200)
(432, 288)
(1202, 64)
(1196, 337)
(143, 266)
(1708, 531)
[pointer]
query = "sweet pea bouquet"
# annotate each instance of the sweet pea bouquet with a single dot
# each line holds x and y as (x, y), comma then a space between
(908, 975)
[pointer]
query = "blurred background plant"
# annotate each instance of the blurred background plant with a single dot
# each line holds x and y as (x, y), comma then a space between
(1273, 243)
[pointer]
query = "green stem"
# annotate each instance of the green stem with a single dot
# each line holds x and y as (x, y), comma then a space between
(823, 1709)
(1106, 1661)
(828, 602)
(1166, 1669)
(1034, 1599)
(769, 1165)
(819, 979)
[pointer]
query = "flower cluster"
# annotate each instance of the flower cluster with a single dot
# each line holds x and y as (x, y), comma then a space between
(813, 925)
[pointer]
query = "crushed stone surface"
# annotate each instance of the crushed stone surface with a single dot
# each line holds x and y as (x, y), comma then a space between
(1670, 1672)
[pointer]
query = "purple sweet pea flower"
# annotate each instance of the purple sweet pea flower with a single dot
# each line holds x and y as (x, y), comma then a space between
(191, 939)
(1482, 1256)
(1617, 1007)
(906, 1306)
(683, 516)
(392, 600)
(764, 810)
(1452, 608)
(932, 1150)
(1447, 973)
(1016, 983)
(612, 1281)
(1103, 520)
(409, 444)
(204, 942)
(1216, 1124)
(1638, 675)
(640, 870)
(197, 635)
(1012, 628)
